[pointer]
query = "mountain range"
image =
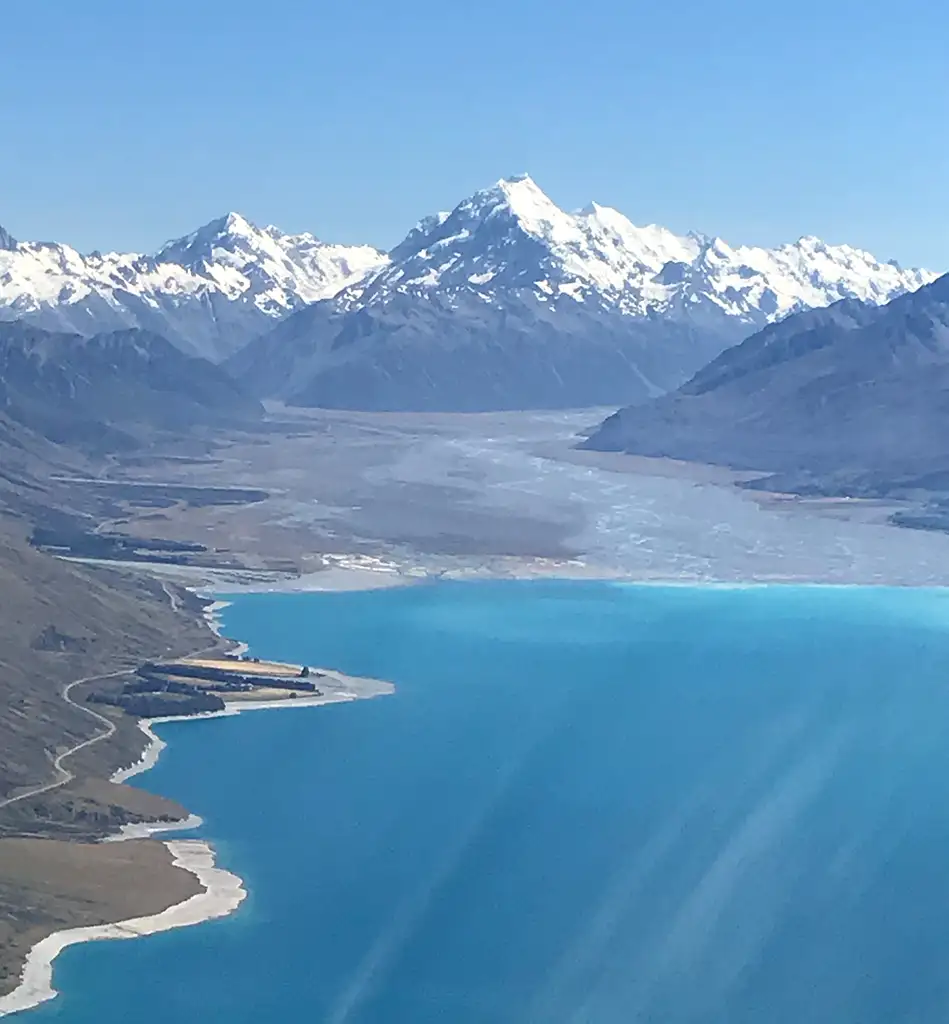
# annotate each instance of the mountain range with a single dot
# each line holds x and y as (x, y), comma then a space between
(852, 399)
(208, 293)
(506, 301)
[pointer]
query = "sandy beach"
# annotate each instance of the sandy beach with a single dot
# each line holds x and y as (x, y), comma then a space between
(147, 829)
(223, 893)
(223, 890)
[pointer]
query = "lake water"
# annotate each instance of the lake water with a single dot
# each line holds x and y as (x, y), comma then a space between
(587, 803)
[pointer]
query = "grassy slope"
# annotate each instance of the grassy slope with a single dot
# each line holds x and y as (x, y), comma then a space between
(47, 885)
(58, 622)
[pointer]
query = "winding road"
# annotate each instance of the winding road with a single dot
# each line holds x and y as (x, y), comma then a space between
(64, 775)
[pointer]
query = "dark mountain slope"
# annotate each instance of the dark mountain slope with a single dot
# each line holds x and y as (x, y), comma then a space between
(429, 353)
(849, 399)
(106, 390)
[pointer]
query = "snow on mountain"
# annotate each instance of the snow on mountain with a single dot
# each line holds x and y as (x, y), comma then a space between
(513, 236)
(282, 271)
(509, 302)
(209, 293)
(507, 249)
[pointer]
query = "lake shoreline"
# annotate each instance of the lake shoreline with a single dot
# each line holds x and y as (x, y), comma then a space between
(222, 893)
(222, 890)
(606, 631)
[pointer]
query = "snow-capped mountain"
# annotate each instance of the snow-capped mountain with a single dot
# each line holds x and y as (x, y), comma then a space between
(512, 236)
(209, 293)
(282, 272)
(508, 301)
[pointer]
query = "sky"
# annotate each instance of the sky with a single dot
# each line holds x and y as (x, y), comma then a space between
(125, 124)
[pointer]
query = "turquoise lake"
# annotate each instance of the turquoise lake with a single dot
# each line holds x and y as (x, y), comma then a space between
(586, 803)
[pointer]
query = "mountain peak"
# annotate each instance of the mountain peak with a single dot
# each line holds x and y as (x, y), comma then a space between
(512, 236)
(811, 244)
(525, 197)
(417, 237)
(236, 224)
(229, 224)
(611, 218)
(519, 195)
(202, 246)
(849, 399)
(208, 292)
(518, 183)
(518, 198)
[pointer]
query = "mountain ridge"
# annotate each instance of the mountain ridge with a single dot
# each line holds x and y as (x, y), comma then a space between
(208, 292)
(506, 275)
(111, 390)
(600, 248)
(844, 400)
(509, 302)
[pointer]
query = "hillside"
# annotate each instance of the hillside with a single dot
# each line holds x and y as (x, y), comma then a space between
(64, 622)
(847, 400)
(61, 622)
(102, 392)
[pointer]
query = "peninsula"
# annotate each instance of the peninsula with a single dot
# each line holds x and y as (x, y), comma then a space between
(212, 684)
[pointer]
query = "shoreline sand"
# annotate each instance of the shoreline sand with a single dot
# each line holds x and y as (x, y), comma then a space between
(212, 616)
(223, 893)
(223, 890)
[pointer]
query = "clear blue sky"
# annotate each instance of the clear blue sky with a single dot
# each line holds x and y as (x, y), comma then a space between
(125, 123)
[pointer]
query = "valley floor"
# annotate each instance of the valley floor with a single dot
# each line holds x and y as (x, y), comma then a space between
(384, 495)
